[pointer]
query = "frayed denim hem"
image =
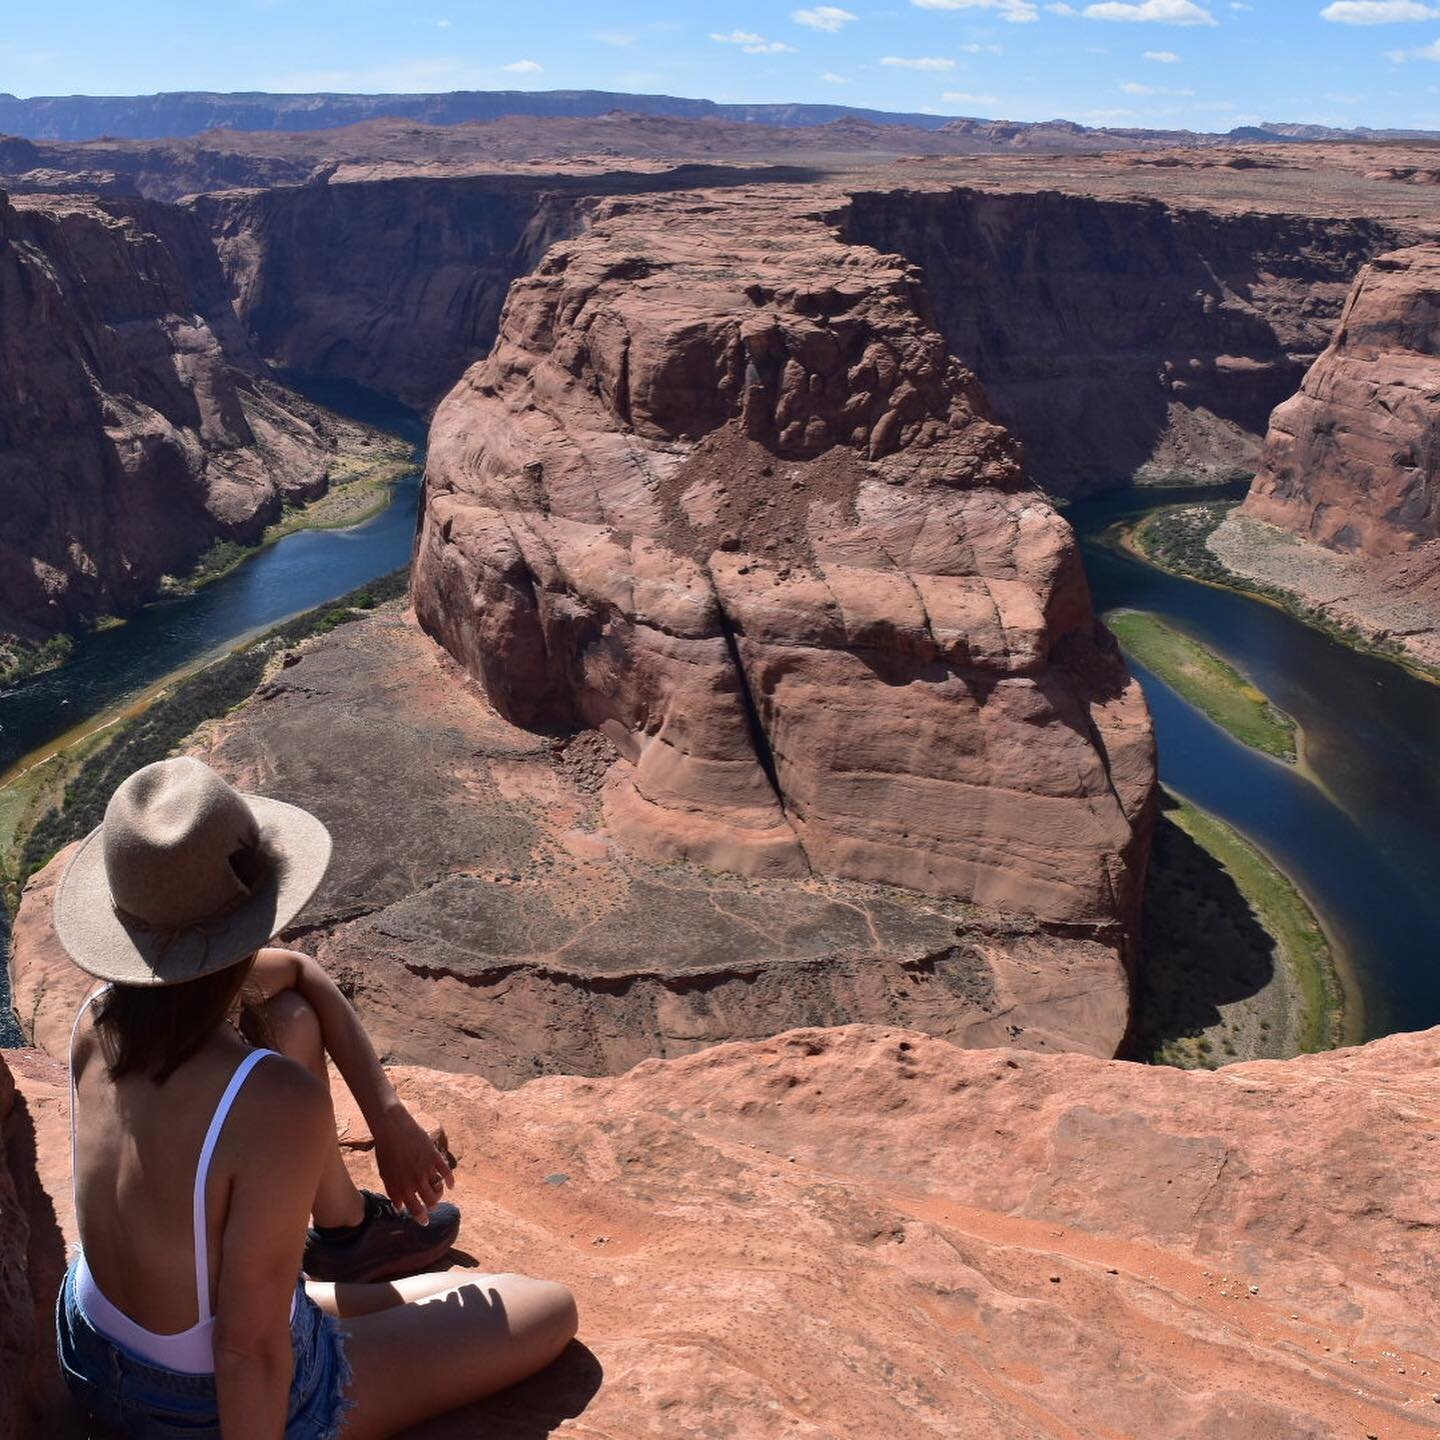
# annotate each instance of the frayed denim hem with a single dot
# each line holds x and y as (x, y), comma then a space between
(341, 1401)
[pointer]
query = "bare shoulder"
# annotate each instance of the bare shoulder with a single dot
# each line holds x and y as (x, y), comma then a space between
(281, 1106)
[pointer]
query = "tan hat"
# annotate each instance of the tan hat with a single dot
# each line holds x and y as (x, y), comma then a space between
(185, 876)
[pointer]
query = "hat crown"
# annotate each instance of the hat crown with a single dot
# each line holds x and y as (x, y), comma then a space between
(171, 833)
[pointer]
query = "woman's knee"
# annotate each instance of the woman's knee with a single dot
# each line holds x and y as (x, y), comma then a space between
(294, 1027)
(553, 1313)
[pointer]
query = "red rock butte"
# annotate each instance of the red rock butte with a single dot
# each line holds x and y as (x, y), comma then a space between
(720, 493)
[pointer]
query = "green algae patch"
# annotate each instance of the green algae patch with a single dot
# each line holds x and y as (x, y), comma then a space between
(1234, 963)
(1204, 680)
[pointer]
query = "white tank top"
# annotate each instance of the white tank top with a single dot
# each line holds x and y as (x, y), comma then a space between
(192, 1351)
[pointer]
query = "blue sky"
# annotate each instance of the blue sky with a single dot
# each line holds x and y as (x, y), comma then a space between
(1207, 64)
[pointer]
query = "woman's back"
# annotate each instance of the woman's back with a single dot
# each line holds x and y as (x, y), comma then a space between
(138, 1146)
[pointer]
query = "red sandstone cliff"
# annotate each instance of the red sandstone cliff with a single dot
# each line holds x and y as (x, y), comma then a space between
(136, 424)
(1121, 336)
(720, 493)
(1353, 460)
(844, 1234)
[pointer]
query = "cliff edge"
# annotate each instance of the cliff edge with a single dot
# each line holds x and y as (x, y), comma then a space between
(839, 1234)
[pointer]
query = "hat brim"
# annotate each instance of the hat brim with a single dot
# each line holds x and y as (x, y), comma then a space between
(105, 945)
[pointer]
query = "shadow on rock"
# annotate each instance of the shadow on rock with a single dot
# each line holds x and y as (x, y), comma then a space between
(531, 1410)
(1201, 948)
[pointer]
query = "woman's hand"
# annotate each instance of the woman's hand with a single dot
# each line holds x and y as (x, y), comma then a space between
(413, 1168)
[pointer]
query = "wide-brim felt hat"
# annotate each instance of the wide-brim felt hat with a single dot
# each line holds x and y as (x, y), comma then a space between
(185, 876)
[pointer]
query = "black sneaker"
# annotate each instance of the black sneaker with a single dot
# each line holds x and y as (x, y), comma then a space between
(386, 1244)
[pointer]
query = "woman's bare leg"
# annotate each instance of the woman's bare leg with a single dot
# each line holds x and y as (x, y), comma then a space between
(292, 1028)
(412, 1362)
(346, 1299)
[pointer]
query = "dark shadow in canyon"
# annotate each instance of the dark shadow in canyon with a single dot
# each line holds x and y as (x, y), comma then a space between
(1201, 945)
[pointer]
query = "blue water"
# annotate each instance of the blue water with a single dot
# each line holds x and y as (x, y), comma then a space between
(297, 573)
(1362, 838)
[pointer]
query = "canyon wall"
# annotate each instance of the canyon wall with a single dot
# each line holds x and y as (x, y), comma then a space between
(1121, 337)
(136, 424)
(396, 285)
(1353, 459)
(1115, 335)
(720, 493)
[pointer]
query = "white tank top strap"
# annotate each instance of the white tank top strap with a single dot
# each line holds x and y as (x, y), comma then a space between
(202, 1173)
(190, 1351)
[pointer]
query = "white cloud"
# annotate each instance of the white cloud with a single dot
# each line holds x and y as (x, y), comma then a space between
(823, 17)
(1132, 87)
(753, 44)
(1240, 5)
(523, 67)
(1019, 12)
(1159, 12)
(1425, 52)
(1163, 57)
(1061, 8)
(918, 62)
(965, 98)
(831, 78)
(442, 24)
(974, 49)
(1378, 12)
(620, 39)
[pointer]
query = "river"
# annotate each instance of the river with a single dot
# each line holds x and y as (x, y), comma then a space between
(1359, 828)
(111, 668)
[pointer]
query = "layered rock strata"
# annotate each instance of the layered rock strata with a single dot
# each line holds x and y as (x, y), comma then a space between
(1121, 337)
(721, 494)
(1352, 461)
(1344, 512)
(838, 1234)
(484, 918)
(396, 285)
(136, 424)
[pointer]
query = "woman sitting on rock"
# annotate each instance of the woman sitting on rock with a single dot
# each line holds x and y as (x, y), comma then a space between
(199, 1160)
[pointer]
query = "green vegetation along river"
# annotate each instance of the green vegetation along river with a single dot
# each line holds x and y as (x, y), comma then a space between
(1358, 826)
(112, 668)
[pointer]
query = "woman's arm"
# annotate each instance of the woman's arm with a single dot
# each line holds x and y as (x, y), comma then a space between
(408, 1159)
(282, 1128)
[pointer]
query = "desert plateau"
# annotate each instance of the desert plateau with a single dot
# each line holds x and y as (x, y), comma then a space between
(873, 674)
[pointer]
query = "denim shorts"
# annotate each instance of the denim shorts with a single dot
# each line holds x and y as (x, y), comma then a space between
(149, 1402)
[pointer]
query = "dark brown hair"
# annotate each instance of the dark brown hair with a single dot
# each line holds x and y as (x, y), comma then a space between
(153, 1030)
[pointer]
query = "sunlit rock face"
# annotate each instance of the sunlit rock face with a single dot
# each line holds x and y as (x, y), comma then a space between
(721, 493)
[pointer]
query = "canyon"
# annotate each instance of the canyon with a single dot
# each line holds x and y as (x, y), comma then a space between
(741, 832)
(137, 424)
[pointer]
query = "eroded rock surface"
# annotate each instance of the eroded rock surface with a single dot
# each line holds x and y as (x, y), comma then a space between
(1352, 464)
(485, 918)
(1353, 460)
(35, 1215)
(839, 1234)
(1123, 337)
(720, 493)
(136, 425)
